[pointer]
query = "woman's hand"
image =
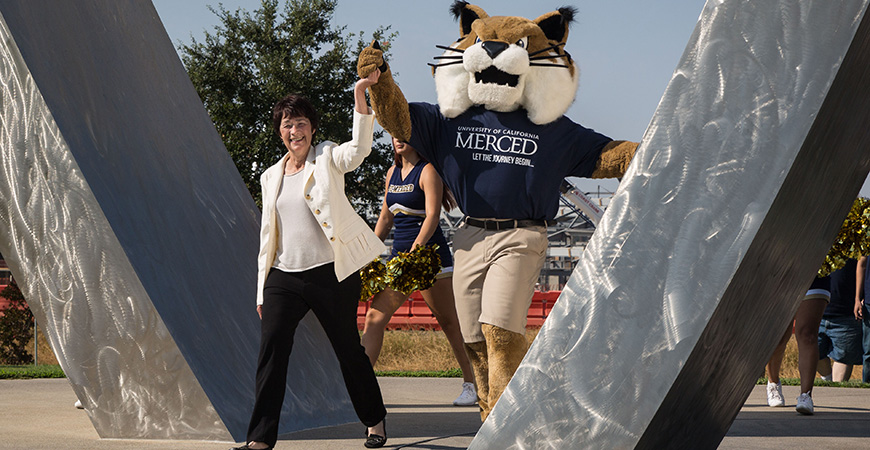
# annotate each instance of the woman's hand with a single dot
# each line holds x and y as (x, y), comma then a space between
(359, 92)
(260, 311)
(368, 81)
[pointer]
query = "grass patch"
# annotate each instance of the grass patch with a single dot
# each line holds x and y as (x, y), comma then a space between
(24, 372)
(415, 351)
(450, 373)
(421, 351)
(853, 383)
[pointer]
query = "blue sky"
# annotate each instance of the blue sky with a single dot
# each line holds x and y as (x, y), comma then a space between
(626, 49)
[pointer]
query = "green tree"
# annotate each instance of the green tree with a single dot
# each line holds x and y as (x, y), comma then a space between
(251, 60)
(16, 327)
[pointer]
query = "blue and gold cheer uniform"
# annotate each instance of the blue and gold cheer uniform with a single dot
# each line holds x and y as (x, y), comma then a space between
(407, 202)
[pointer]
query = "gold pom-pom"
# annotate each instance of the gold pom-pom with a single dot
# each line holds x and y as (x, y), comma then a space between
(853, 241)
(372, 279)
(414, 270)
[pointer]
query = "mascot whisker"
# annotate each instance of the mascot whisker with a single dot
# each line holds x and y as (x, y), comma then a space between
(502, 144)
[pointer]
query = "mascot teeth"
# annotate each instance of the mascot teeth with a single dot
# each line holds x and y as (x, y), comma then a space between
(507, 63)
(492, 75)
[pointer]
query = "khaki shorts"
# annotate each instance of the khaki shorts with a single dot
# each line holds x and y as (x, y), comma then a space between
(494, 276)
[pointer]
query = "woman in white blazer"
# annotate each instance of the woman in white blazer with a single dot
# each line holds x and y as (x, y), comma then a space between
(312, 245)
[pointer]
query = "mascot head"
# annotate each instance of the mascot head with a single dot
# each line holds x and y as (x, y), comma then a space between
(507, 63)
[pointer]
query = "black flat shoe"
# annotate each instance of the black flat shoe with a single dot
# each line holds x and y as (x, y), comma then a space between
(376, 440)
(245, 447)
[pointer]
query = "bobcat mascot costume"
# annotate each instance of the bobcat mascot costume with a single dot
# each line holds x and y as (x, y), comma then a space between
(500, 141)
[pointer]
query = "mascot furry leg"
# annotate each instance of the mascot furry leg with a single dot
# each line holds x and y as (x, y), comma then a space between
(492, 373)
(505, 350)
(476, 352)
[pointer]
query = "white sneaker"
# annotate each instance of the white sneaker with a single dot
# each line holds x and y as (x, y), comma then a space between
(828, 377)
(468, 397)
(804, 404)
(774, 394)
(79, 405)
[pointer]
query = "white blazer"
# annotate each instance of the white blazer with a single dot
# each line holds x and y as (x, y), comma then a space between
(353, 243)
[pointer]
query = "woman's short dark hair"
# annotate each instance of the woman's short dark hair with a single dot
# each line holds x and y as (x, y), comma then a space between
(294, 105)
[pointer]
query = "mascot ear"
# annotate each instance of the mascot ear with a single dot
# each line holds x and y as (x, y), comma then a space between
(555, 24)
(467, 14)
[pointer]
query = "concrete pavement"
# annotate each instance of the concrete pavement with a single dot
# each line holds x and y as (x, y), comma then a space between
(39, 414)
(841, 421)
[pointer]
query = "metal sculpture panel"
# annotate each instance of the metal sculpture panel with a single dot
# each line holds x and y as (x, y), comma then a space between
(131, 232)
(744, 176)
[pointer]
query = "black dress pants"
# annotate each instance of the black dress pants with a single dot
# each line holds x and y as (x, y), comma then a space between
(287, 297)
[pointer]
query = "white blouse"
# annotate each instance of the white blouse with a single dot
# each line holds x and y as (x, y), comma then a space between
(301, 243)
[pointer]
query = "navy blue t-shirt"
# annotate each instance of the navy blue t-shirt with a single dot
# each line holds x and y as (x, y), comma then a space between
(502, 165)
(842, 291)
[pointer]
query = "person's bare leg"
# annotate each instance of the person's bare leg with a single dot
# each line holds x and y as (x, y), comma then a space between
(440, 300)
(824, 367)
(841, 372)
(775, 363)
(806, 331)
(384, 305)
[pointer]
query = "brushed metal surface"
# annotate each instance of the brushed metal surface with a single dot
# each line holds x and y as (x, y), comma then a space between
(731, 128)
(802, 222)
(116, 351)
(132, 233)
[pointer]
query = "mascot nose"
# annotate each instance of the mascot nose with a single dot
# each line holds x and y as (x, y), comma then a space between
(493, 48)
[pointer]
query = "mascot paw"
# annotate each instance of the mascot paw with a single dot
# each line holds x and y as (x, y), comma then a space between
(371, 58)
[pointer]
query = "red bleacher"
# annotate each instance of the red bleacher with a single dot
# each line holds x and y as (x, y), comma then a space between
(414, 314)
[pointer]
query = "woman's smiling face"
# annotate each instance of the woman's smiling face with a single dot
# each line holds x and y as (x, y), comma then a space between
(297, 133)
